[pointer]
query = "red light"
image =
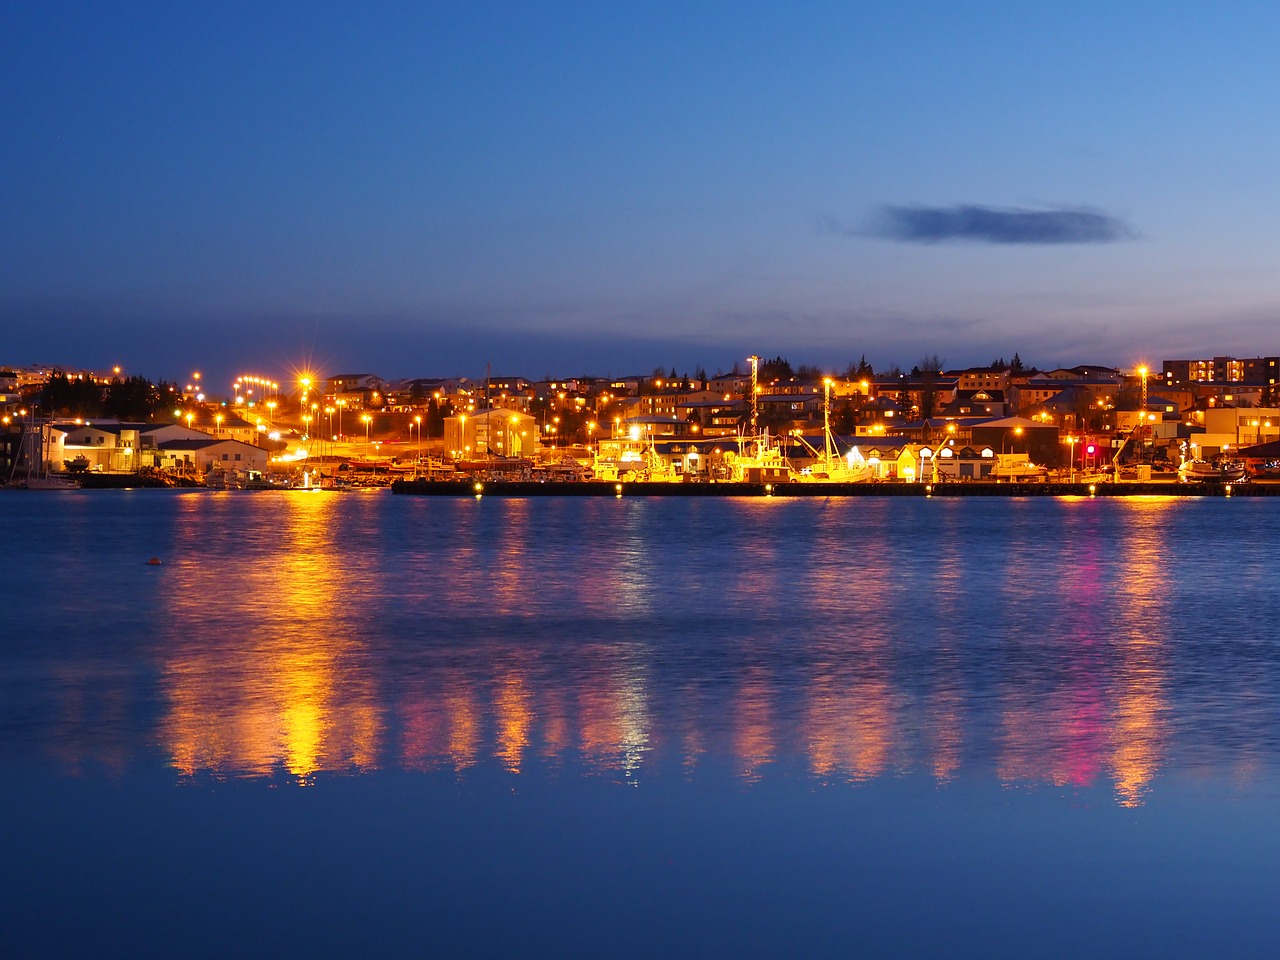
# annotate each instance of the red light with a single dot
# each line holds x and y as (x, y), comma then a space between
(1091, 449)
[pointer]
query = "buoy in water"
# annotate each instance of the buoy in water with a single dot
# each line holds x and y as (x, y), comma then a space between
(154, 562)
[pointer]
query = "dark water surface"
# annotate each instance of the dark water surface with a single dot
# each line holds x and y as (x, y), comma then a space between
(359, 724)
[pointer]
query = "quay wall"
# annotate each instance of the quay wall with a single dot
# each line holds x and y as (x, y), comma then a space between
(597, 488)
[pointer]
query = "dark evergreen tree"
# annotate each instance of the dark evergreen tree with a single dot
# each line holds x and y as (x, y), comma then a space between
(844, 419)
(134, 398)
(64, 397)
(776, 369)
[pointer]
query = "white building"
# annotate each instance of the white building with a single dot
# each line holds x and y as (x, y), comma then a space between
(209, 453)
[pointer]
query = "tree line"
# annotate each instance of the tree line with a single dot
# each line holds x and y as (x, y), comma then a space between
(132, 398)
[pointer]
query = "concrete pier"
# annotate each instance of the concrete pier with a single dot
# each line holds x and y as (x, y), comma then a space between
(985, 488)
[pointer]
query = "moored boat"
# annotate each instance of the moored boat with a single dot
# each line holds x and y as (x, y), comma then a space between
(51, 482)
(1225, 471)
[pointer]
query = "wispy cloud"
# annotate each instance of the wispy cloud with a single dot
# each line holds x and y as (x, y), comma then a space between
(971, 223)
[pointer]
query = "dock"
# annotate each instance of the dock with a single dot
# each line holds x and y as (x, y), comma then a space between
(975, 488)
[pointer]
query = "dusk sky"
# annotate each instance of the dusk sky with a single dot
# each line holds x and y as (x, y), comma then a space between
(560, 189)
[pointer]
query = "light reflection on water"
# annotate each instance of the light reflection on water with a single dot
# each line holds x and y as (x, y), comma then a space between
(1037, 642)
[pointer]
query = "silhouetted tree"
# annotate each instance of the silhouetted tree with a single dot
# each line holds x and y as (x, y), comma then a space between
(844, 419)
(62, 396)
(928, 370)
(134, 398)
(776, 369)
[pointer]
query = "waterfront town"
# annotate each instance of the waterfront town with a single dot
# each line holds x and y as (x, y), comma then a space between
(760, 421)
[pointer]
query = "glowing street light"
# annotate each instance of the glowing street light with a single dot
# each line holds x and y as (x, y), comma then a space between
(1016, 432)
(367, 420)
(304, 382)
(950, 439)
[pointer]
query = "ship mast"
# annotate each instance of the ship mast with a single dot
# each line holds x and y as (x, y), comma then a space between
(826, 422)
(755, 394)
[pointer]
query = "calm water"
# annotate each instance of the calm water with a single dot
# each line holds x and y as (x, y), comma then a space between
(338, 725)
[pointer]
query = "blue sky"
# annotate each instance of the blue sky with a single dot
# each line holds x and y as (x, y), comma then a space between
(419, 189)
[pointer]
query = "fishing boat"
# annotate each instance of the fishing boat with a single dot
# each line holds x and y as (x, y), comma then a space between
(759, 460)
(830, 467)
(1222, 471)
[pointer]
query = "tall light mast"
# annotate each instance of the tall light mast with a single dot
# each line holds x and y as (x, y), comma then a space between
(755, 393)
(1142, 416)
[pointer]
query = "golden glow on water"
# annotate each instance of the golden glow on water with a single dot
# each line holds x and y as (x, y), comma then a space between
(266, 683)
(850, 728)
(272, 666)
(514, 720)
(1103, 715)
(1138, 716)
(463, 711)
(753, 741)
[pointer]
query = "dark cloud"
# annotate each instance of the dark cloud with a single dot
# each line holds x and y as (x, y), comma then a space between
(977, 224)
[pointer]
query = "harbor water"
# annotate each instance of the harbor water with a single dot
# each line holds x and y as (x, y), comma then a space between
(360, 724)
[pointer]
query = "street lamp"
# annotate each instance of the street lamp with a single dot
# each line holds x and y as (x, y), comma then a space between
(367, 420)
(417, 420)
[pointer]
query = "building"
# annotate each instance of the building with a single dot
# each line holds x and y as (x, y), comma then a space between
(1040, 441)
(188, 455)
(110, 446)
(1254, 371)
(981, 378)
(716, 418)
(491, 433)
